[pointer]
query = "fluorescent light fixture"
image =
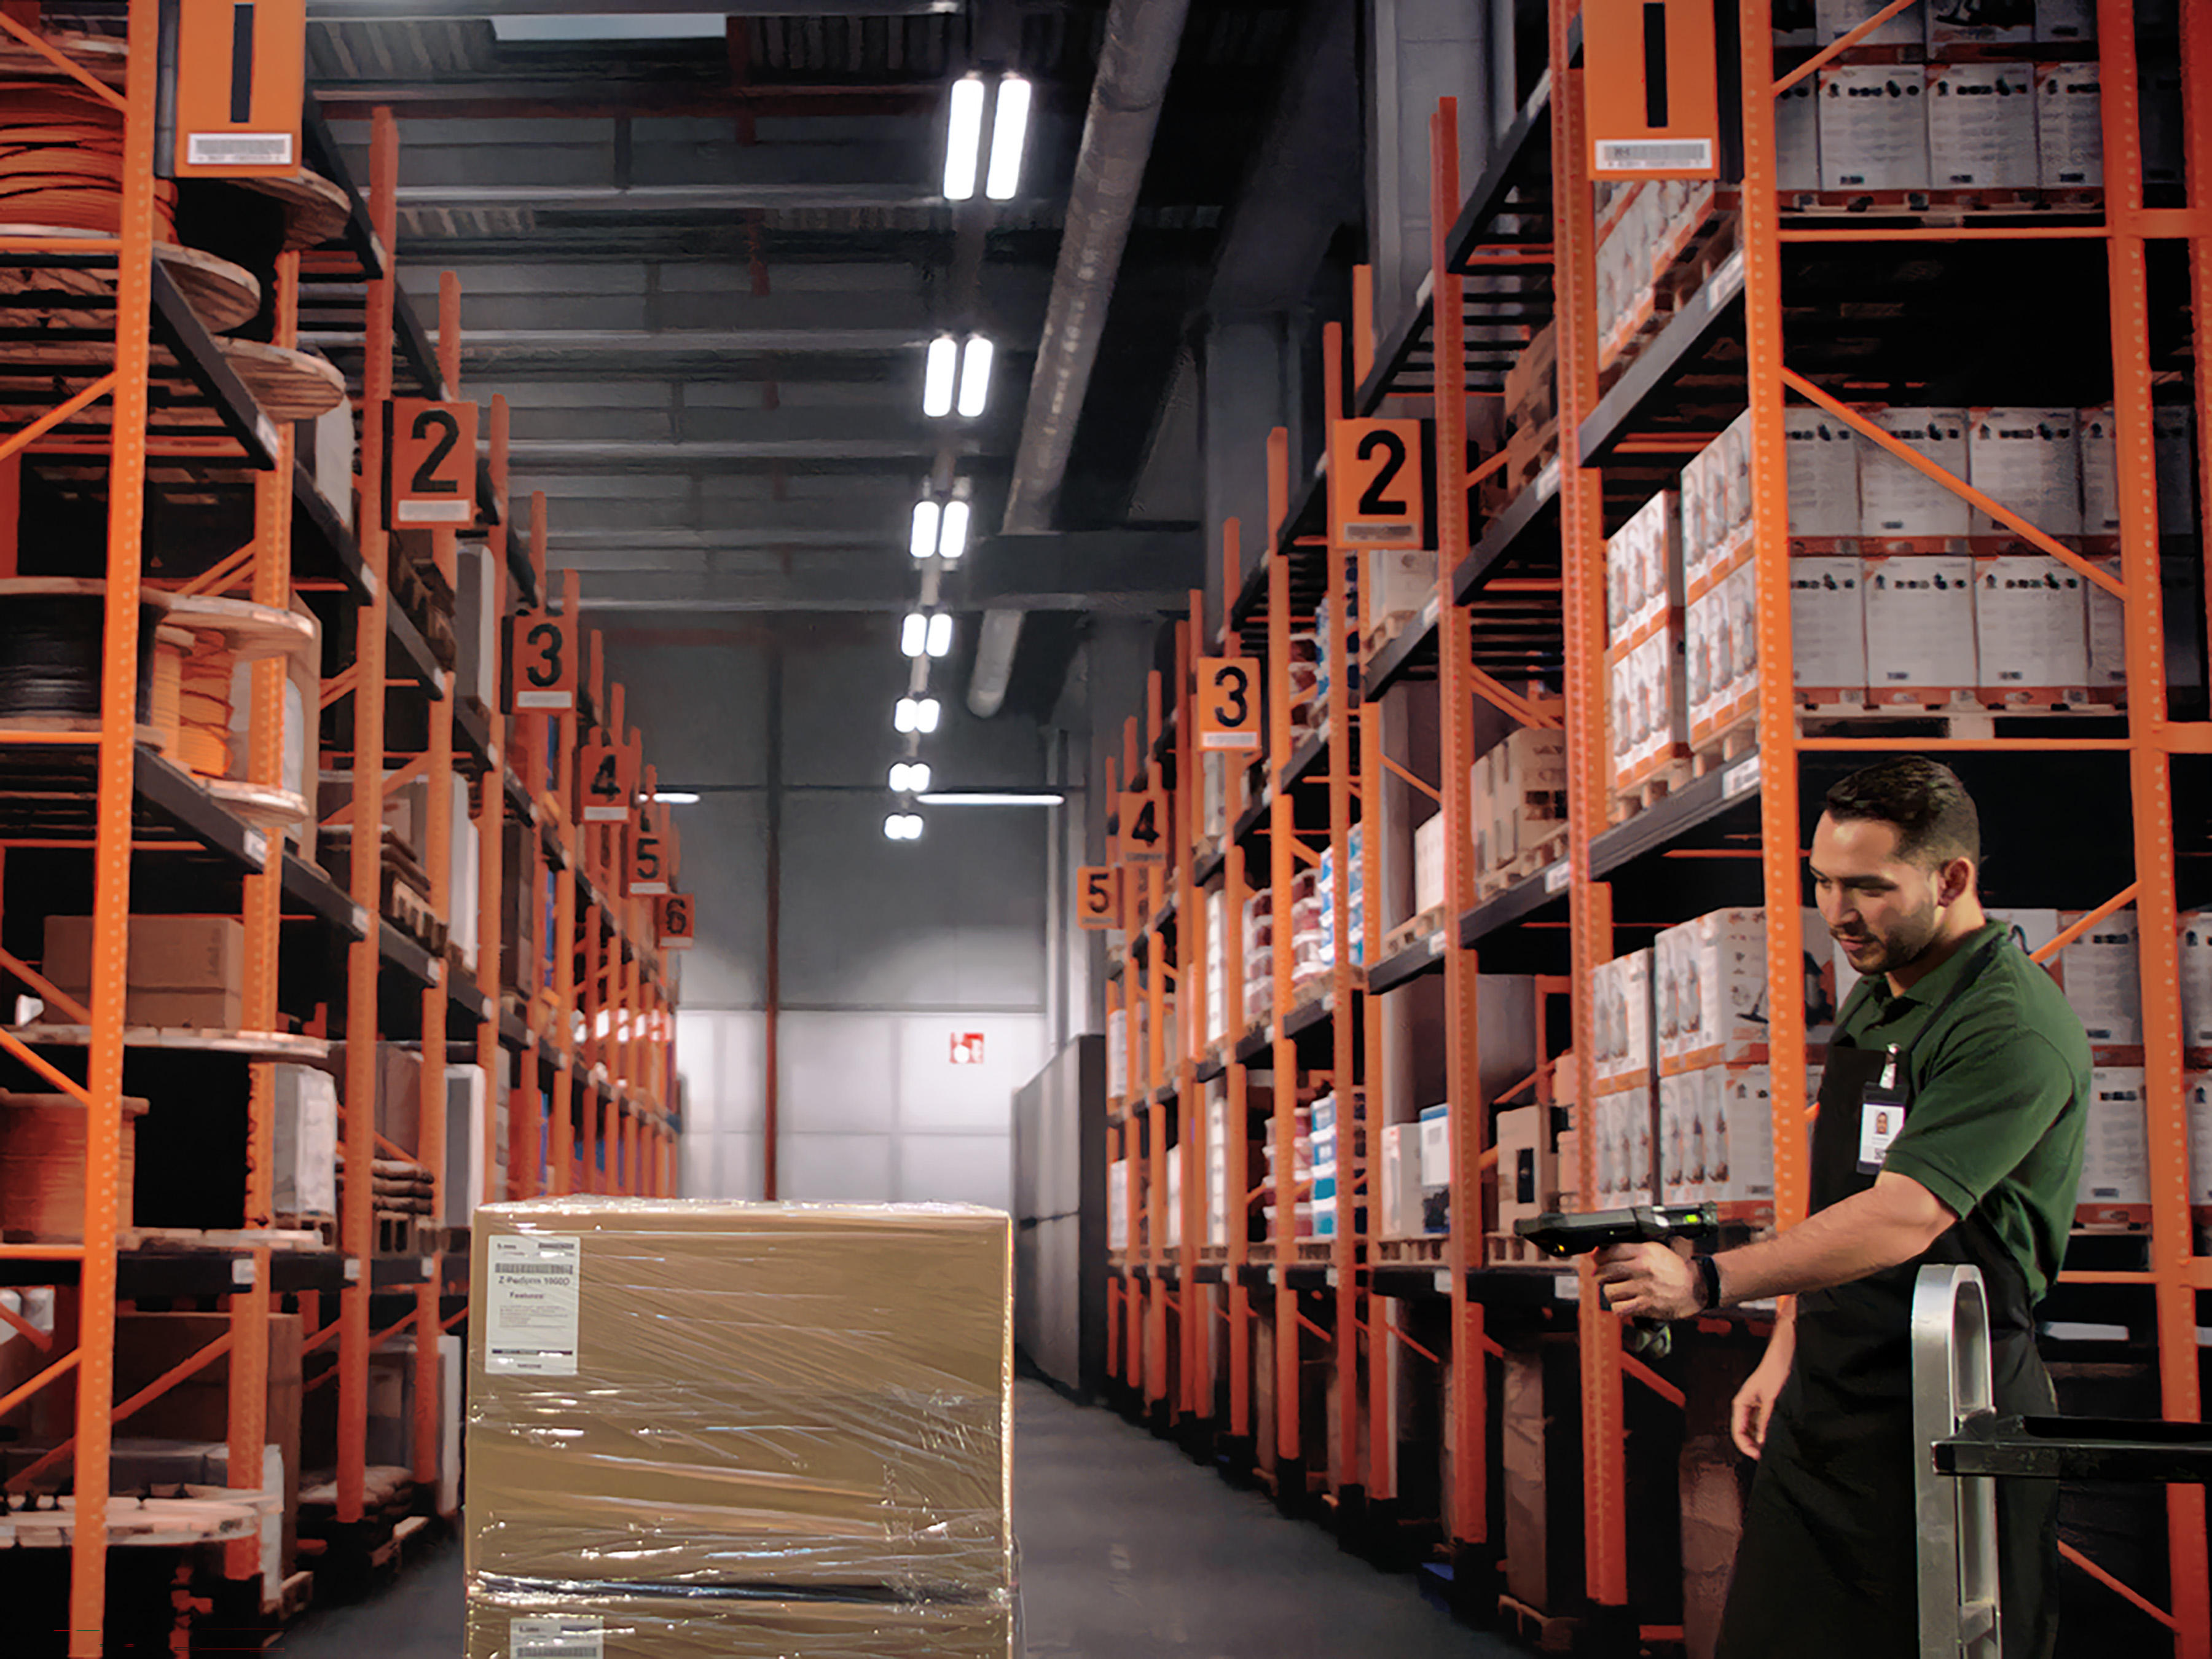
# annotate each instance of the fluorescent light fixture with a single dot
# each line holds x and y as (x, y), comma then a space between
(914, 635)
(953, 538)
(909, 777)
(1009, 127)
(940, 633)
(987, 798)
(924, 715)
(937, 377)
(903, 826)
(964, 138)
(974, 376)
(922, 542)
(906, 716)
(675, 798)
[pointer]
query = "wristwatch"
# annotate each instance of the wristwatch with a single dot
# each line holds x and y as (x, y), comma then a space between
(1709, 1282)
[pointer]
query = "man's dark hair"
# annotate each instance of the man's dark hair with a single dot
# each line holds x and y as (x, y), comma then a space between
(1934, 815)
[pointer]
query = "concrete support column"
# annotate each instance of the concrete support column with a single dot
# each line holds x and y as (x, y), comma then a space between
(1417, 51)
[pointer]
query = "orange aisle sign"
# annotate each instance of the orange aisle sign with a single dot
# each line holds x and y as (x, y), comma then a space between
(1097, 896)
(1650, 84)
(238, 76)
(1144, 825)
(672, 922)
(1229, 702)
(647, 867)
(541, 657)
(430, 464)
(606, 782)
(1376, 474)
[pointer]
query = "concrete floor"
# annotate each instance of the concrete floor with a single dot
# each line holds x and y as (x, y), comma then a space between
(1129, 1551)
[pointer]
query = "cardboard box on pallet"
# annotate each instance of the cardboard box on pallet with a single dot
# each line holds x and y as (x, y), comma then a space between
(2028, 461)
(2115, 1149)
(1710, 992)
(1896, 499)
(1528, 1164)
(1920, 628)
(2197, 1091)
(1981, 126)
(2031, 630)
(183, 972)
(602, 1623)
(1827, 627)
(694, 1396)
(2197, 979)
(2069, 134)
(1874, 129)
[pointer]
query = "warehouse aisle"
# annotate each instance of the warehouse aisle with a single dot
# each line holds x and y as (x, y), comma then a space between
(1129, 1550)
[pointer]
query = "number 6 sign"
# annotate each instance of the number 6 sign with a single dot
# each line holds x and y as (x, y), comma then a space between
(673, 921)
(430, 463)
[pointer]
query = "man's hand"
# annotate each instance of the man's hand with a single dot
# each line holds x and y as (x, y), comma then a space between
(1647, 1281)
(1754, 1400)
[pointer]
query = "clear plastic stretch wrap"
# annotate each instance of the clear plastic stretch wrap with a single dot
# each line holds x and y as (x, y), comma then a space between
(703, 1427)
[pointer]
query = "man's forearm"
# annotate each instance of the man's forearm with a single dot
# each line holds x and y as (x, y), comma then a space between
(1892, 1222)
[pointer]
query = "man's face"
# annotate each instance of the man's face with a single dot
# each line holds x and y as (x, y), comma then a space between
(1883, 910)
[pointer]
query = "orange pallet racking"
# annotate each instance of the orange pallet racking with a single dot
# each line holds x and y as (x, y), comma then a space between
(1518, 633)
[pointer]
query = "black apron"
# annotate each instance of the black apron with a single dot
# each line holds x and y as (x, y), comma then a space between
(1828, 1564)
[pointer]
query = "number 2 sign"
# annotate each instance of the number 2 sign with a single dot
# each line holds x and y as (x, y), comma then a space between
(430, 463)
(1376, 473)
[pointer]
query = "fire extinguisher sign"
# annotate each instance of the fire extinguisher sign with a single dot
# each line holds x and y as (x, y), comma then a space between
(967, 1047)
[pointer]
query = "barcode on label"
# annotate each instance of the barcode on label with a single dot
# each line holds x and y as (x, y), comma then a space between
(1740, 779)
(556, 1638)
(1381, 532)
(435, 512)
(239, 149)
(1557, 878)
(1653, 155)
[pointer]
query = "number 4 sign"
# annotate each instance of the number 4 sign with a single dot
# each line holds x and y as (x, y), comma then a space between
(1376, 471)
(542, 650)
(608, 784)
(1143, 824)
(430, 463)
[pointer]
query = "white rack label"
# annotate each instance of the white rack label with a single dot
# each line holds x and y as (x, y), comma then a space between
(1741, 779)
(556, 1638)
(241, 1271)
(1436, 943)
(238, 149)
(536, 1291)
(353, 1270)
(1725, 283)
(1568, 1287)
(1557, 878)
(1654, 155)
(257, 847)
(1548, 481)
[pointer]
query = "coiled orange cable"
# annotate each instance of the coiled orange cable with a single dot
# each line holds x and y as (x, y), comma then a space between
(61, 162)
(191, 703)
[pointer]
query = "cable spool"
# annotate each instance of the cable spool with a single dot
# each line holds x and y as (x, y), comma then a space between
(61, 162)
(53, 653)
(203, 708)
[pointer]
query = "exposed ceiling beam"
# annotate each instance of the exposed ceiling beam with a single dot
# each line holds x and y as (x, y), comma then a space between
(397, 11)
(609, 98)
(595, 456)
(667, 199)
(884, 588)
(1126, 571)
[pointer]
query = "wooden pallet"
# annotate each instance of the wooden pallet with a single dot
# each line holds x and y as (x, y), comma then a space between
(1643, 796)
(1406, 934)
(324, 1227)
(280, 1237)
(1695, 248)
(1511, 1250)
(1522, 865)
(293, 1597)
(404, 1235)
(1427, 1251)
(1730, 744)
(1317, 1252)
(1539, 1631)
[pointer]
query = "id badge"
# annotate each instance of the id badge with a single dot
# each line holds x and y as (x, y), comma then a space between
(1881, 1118)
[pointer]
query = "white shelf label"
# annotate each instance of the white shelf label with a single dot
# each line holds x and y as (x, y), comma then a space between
(369, 583)
(1443, 1281)
(241, 1272)
(430, 1266)
(535, 1292)
(360, 920)
(257, 847)
(266, 429)
(1436, 943)
(1548, 481)
(1568, 1287)
(1725, 283)
(1429, 614)
(353, 1270)
(1741, 779)
(556, 1638)
(1559, 876)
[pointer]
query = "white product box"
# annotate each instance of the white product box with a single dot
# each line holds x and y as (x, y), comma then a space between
(1710, 985)
(2097, 433)
(1623, 736)
(2101, 972)
(2031, 628)
(1401, 1180)
(1117, 1053)
(1528, 797)
(1739, 1140)
(1117, 1205)
(1436, 1168)
(1640, 1108)
(334, 459)
(1639, 560)
(2197, 979)
(1677, 1107)
(2116, 1152)
(2029, 460)
(1403, 580)
(2070, 133)
(1827, 627)
(1669, 686)
(1985, 22)
(1873, 126)
(1898, 500)
(1824, 472)
(1175, 1201)
(2173, 427)
(2065, 20)
(1626, 1056)
(1920, 625)
(1429, 863)
(1797, 138)
(305, 1170)
(1834, 19)
(1981, 126)
(1739, 659)
(2108, 637)
(1705, 634)
(2196, 1090)
(1213, 773)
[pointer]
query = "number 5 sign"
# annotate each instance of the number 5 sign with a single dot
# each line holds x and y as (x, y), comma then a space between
(542, 653)
(1229, 702)
(429, 463)
(1098, 897)
(1376, 483)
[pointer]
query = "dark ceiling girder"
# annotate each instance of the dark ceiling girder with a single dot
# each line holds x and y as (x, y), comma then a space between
(1122, 571)
(566, 97)
(420, 11)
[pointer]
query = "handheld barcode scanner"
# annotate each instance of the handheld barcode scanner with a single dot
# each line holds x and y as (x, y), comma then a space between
(1559, 1235)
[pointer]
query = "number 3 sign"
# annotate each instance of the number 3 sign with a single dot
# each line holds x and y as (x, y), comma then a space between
(430, 463)
(542, 652)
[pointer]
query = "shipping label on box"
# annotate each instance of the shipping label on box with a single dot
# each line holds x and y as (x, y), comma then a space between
(2029, 460)
(2070, 132)
(1824, 472)
(1981, 125)
(1898, 500)
(2101, 972)
(1827, 627)
(1873, 126)
(2115, 1149)
(1920, 627)
(2032, 630)
(1987, 22)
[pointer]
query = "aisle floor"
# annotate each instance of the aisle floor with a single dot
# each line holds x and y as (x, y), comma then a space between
(1129, 1551)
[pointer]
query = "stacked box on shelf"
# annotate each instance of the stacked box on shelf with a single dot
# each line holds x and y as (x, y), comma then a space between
(1621, 1116)
(1327, 1138)
(1402, 581)
(1259, 957)
(1527, 1166)
(1434, 1165)
(1117, 1205)
(1643, 230)
(1401, 1182)
(1307, 936)
(1428, 864)
(840, 1497)
(1217, 967)
(1519, 799)
(1301, 1178)
(1720, 616)
(1307, 710)
(1648, 729)
(2004, 132)
(1356, 904)
(1117, 1054)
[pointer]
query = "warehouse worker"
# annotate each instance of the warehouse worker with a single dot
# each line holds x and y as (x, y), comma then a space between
(1950, 1128)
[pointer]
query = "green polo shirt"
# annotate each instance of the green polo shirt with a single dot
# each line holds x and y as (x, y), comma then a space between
(2000, 1095)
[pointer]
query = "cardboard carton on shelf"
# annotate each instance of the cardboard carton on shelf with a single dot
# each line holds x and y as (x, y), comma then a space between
(1920, 628)
(2031, 630)
(1981, 126)
(184, 972)
(1899, 500)
(2070, 135)
(1827, 627)
(2028, 460)
(1528, 1164)
(2115, 1149)
(42, 1163)
(1874, 127)
(2100, 975)
(1824, 472)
